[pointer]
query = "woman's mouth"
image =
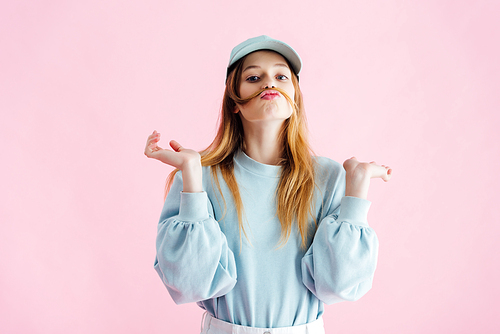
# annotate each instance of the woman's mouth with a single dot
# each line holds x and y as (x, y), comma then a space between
(270, 95)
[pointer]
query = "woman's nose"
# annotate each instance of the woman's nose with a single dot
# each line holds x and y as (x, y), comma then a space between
(268, 82)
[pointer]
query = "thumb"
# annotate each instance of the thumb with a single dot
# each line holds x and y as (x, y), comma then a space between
(176, 146)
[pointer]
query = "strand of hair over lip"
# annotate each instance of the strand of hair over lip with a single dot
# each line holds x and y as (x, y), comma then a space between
(240, 100)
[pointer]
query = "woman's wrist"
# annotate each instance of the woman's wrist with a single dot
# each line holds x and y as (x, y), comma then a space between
(192, 178)
(357, 184)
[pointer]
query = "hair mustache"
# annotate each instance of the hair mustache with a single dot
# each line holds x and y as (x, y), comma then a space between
(254, 95)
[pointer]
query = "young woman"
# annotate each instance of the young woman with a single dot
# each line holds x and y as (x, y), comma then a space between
(255, 229)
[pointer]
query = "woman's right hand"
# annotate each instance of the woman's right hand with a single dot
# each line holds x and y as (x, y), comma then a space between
(186, 160)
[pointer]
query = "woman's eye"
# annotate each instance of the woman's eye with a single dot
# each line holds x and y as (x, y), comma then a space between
(281, 77)
(253, 78)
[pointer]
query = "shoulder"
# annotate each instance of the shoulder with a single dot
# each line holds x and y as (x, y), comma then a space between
(330, 182)
(328, 169)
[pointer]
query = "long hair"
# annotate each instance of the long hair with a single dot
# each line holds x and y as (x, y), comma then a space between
(294, 194)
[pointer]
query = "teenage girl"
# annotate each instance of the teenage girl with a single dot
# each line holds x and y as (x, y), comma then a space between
(255, 229)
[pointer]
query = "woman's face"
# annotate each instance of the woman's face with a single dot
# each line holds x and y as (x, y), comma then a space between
(263, 69)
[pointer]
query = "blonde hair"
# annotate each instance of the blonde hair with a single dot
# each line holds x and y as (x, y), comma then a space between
(294, 194)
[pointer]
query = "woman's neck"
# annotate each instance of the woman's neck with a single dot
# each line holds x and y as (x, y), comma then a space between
(262, 143)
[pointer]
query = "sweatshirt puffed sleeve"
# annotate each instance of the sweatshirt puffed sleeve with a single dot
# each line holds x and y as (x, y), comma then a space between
(192, 255)
(340, 263)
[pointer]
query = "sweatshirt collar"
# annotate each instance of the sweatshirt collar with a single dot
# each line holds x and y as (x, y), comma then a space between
(256, 167)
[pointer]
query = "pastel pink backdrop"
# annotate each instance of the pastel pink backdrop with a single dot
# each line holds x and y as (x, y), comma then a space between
(411, 84)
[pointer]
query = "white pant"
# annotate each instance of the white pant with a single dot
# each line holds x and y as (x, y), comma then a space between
(211, 325)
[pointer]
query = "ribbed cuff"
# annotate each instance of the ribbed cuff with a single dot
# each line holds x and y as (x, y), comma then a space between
(354, 210)
(193, 207)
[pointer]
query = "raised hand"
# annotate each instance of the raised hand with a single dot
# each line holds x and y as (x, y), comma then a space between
(179, 158)
(186, 160)
(358, 175)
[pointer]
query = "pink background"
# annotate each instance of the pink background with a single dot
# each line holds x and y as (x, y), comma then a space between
(411, 84)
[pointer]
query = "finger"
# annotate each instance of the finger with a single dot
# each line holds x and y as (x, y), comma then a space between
(152, 144)
(150, 151)
(153, 138)
(175, 146)
(149, 148)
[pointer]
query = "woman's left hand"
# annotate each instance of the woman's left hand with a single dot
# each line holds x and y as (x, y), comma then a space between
(358, 175)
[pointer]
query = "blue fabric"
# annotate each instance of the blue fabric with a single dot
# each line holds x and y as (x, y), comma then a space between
(250, 281)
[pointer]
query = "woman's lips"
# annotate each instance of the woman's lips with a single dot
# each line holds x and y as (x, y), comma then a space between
(270, 95)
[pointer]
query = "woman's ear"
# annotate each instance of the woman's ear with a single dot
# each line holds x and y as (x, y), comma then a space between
(236, 109)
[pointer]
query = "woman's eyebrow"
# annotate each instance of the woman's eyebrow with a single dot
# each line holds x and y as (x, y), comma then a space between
(255, 66)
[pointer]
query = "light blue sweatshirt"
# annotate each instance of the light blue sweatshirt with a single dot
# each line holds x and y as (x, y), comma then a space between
(199, 257)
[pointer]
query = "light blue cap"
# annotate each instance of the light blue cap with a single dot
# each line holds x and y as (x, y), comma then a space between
(265, 43)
